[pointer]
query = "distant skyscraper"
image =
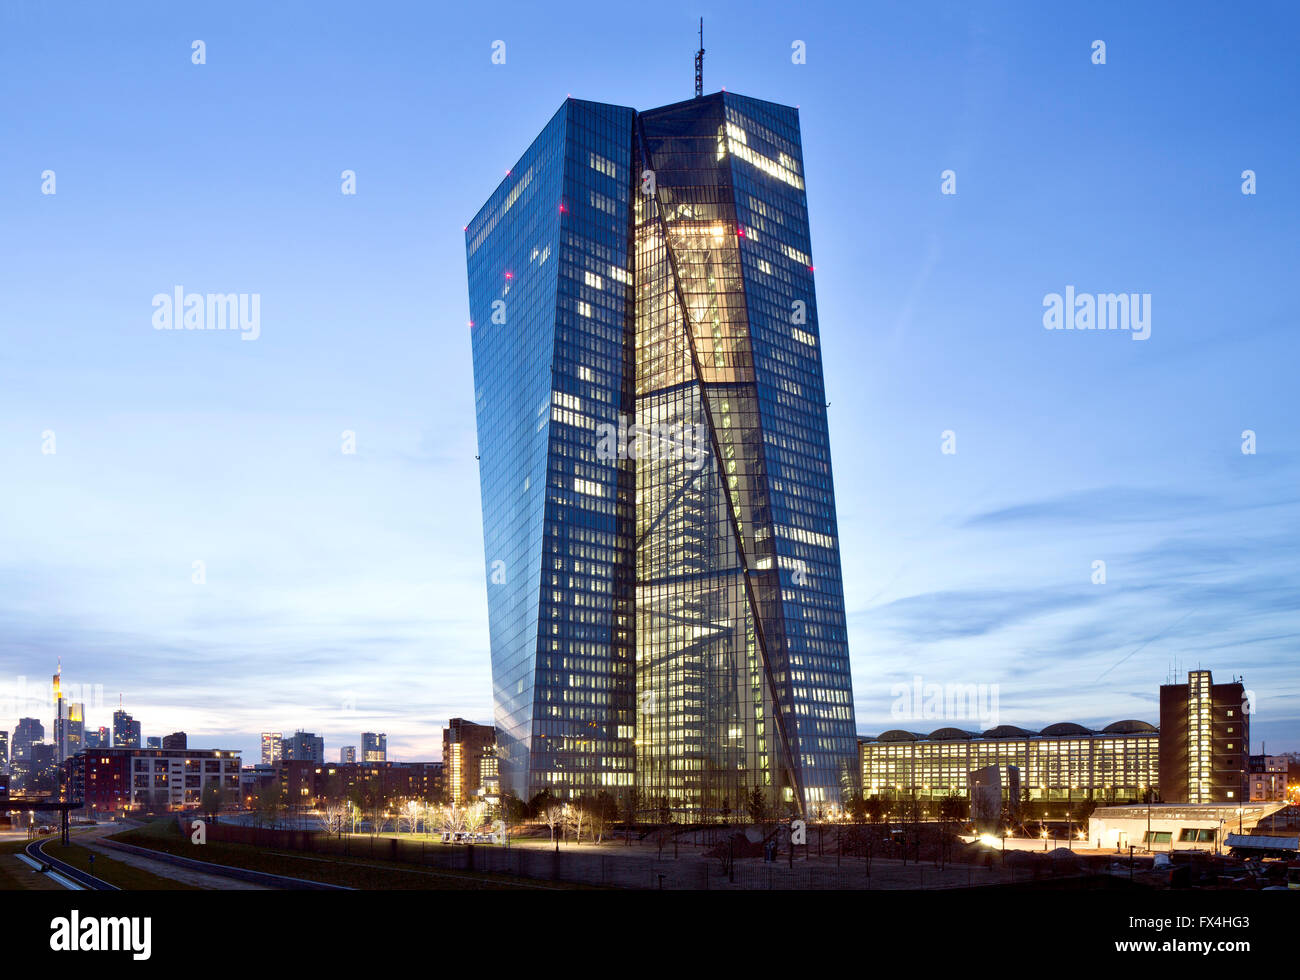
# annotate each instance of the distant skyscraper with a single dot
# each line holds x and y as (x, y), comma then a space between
(27, 733)
(153, 742)
(60, 729)
(665, 600)
(99, 738)
(74, 732)
(42, 768)
(463, 746)
(176, 740)
(69, 729)
(4, 749)
(272, 748)
(126, 731)
(304, 747)
(348, 755)
(374, 747)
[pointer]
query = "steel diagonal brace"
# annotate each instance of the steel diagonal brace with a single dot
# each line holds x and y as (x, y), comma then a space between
(777, 709)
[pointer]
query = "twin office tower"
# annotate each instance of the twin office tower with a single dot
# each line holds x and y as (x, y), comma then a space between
(664, 592)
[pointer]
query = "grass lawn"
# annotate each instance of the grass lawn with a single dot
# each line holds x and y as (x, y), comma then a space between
(16, 876)
(114, 872)
(164, 835)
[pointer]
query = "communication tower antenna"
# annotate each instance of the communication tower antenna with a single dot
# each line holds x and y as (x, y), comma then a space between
(699, 64)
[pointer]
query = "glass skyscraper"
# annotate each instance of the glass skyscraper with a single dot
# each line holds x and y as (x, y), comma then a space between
(665, 602)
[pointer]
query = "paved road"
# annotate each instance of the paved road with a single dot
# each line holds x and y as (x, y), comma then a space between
(229, 874)
(160, 868)
(201, 874)
(36, 851)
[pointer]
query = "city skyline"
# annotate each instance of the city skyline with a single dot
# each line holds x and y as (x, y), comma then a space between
(920, 722)
(345, 592)
(29, 698)
(249, 746)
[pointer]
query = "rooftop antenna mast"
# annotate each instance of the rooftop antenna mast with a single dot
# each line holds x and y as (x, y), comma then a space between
(699, 64)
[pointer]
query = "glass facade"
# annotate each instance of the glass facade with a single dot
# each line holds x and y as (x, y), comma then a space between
(664, 579)
(1199, 701)
(550, 305)
(1205, 752)
(1062, 762)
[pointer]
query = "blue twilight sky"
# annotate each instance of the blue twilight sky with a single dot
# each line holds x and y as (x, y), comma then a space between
(346, 592)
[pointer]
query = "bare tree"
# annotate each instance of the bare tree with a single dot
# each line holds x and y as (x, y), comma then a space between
(475, 814)
(602, 813)
(375, 814)
(631, 803)
(553, 816)
(576, 818)
(213, 798)
(333, 818)
(727, 857)
(439, 818)
(756, 805)
(268, 805)
(452, 818)
(408, 817)
(665, 830)
(952, 811)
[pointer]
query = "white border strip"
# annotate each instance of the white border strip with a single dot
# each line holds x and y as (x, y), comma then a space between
(65, 882)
